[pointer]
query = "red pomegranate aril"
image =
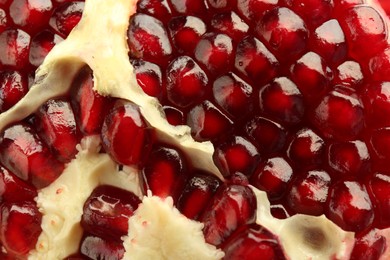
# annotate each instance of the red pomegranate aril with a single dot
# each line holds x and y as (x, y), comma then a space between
(66, 16)
(13, 86)
(187, 83)
(149, 77)
(312, 76)
(230, 24)
(380, 142)
(282, 101)
(340, 114)
(314, 12)
(185, 32)
(215, 52)
(284, 32)
(97, 248)
(156, 8)
(269, 136)
(379, 187)
(236, 155)
(107, 211)
(24, 153)
(148, 39)
(349, 74)
(376, 98)
(253, 242)
(222, 4)
(306, 148)
(191, 7)
(253, 10)
(308, 193)
(365, 30)
(329, 41)
(368, 246)
(207, 122)
(379, 66)
(12, 189)
(90, 108)
(280, 211)
(197, 192)
(231, 207)
(165, 171)
(344, 4)
(255, 61)
(41, 45)
(349, 158)
(349, 206)
(4, 23)
(273, 176)
(31, 15)
(125, 134)
(20, 227)
(234, 95)
(56, 124)
(14, 48)
(174, 116)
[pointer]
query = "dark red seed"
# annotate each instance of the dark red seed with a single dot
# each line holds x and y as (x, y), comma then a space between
(222, 4)
(13, 86)
(376, 98)
(236, 155)
(24, 153)
(191, 7)
(349, 74)
(314, 12)
(4, 23)
(282, 101)
(156, 8)
(231, 207)
(98, 248)
(379, 66)
(253, 242)
(253, 10)
(14, 48)
(66, 16)
(41, 45)
(230, 24)
(20, 227)
(149, 77)
(174, 116)
(165, 172)
(273, 176)
(187, 83)
(197, 192)
(349, 206)
(368, 246)
(107, 211)
(207, 122)
(126, 135)
(280, 211)
(308, 193)
(380, 142)
(379, 188)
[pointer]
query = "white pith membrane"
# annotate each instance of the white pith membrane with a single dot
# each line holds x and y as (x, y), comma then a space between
(157, 230)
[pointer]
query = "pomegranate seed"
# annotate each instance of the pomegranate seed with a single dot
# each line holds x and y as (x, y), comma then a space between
(347, 3)
(379, 187)
(186, 32)
(191, 7)
(14, 48)
(187, 83)
(349, 74)
(284, 31)
(197, 192)
(236, 155)
(13, 86)
(349, 158)
(148, 38)
(66, 16)
(369, 246)
(207, 122)
(89, 107)
(282, 100)
(149, 77)
(253, 242)
(98, 248)
(174, 116)
(308, 193)
(273, 176)
(255, 61)
(3, 20)
(41, 45)
(56, 125)
(311, 75)
(125, 134)
(253, 10)
(376, 98)
(215, 52)
(349, 206)
(279, 211)
(156, 8)
(20, 227)
(306, 148)
(233, 95)
(12, 189)
(222, 4)
(107, 210)
(379, 66)
(165, 171)
(230, 24)
(31, 15)
(266, 134)
(314, 12)
(339, 115)
(380, 141)
(329, 41)
(23, 153)
(231, 207)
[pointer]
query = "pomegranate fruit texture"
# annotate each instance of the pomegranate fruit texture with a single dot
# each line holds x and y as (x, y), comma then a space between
(194, 129)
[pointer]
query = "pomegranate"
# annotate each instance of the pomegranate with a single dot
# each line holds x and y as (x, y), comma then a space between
(194, 129)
